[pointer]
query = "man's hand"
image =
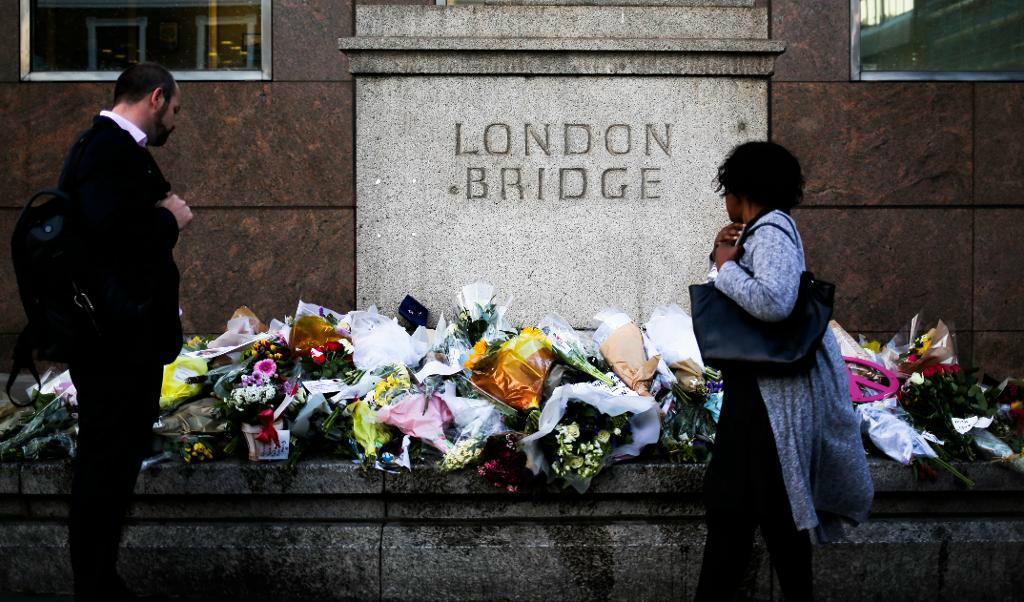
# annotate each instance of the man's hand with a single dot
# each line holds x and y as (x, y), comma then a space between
(179, 209)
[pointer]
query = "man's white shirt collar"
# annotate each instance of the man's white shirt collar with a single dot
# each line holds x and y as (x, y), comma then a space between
(140, 137)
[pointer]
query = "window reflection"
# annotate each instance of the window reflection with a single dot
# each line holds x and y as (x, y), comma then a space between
(942, 35)
(110, 35)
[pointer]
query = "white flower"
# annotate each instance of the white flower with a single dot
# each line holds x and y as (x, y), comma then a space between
(916, 378)
(603, 436)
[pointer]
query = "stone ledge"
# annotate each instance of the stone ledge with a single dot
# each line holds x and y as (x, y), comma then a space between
(583, 22)
(326, 477)
(531, 63)
(649, 45)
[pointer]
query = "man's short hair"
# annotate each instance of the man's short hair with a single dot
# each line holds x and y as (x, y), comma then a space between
(139, 81)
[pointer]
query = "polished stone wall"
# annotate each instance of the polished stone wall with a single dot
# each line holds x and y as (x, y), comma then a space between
(915, 191)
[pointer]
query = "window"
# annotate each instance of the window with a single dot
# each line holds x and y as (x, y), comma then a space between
(938, 39)
(97, 39)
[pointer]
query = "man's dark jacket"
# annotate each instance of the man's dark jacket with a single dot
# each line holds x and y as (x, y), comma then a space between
(126, 260)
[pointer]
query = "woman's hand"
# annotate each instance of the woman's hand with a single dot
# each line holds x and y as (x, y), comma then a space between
(726, 251)
(728, 235)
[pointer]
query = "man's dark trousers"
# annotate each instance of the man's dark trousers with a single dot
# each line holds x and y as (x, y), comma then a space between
(116, 410)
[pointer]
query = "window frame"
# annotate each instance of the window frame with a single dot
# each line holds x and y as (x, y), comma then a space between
(858, 74)
(263, 73)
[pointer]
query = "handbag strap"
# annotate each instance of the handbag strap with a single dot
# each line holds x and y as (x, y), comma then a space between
(789, 235)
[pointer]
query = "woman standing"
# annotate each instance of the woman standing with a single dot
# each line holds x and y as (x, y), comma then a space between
(788, 454)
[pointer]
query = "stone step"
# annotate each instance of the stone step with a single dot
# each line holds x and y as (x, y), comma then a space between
(579, 22)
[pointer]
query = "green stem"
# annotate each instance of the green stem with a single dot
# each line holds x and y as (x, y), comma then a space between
(952, 470)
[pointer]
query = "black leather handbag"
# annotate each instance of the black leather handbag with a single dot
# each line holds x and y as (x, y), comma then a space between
(727, 334)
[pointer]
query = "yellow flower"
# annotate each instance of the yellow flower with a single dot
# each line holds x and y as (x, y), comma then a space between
(479, 351)
(531, 331)
(874, 346)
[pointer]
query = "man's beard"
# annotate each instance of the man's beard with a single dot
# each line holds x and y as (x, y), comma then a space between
(161, 137)
(162, 133)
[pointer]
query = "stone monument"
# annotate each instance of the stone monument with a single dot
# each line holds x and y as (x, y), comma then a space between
(563, 150)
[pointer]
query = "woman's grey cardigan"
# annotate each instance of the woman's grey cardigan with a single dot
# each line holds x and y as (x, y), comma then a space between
(817, 431)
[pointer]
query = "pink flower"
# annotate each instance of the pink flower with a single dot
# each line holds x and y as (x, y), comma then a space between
(266, 368)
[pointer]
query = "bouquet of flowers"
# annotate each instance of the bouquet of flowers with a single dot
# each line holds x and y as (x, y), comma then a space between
(688, 430)
(948, 402)
(584, 428)
(474, 421)
(513, 372)
(569, 347)
(622, 345)
(480, 317)
(503, 464)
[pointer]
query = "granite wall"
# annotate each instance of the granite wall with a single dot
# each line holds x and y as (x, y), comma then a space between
(915, 189)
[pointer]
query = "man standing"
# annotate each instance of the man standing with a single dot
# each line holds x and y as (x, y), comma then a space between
(127, 222)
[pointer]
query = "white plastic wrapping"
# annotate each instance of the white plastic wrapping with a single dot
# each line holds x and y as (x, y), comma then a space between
(609, 320)
(670, 329)
(379, 340)
(882, 422)
(994, 448)
(473, 418)
(645, 424)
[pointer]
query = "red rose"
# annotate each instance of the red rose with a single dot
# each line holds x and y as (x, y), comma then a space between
(332, 346)
(317, 356)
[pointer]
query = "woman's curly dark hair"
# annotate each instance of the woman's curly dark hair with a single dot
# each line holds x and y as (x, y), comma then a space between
(764, 172)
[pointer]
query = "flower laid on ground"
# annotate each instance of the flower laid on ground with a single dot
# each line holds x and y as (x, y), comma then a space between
(196, 449)
(462, 454)
(939, 395)
(502, 464)
(275, 349)
(332, 359)
(514, 373)
(582, 442)
(395, 380)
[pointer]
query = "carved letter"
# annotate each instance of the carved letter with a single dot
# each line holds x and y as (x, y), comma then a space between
(458, 142)
(566, 135)
(664, 144)
(470, 180)
(508, 139)
(530, 131)
(644, 182)
(604, 185)
(608, 139)
(561, 183)
(540, 183)
(518, 184)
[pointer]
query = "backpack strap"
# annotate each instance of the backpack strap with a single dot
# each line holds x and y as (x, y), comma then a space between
(22, 359)
(70, 172)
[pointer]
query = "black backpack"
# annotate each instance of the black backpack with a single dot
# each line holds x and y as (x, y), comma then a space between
(43, 248)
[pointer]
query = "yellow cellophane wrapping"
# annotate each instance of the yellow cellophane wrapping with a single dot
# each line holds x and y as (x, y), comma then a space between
(173, 388)
(311, 331)
(515, 373)
(369, 433)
